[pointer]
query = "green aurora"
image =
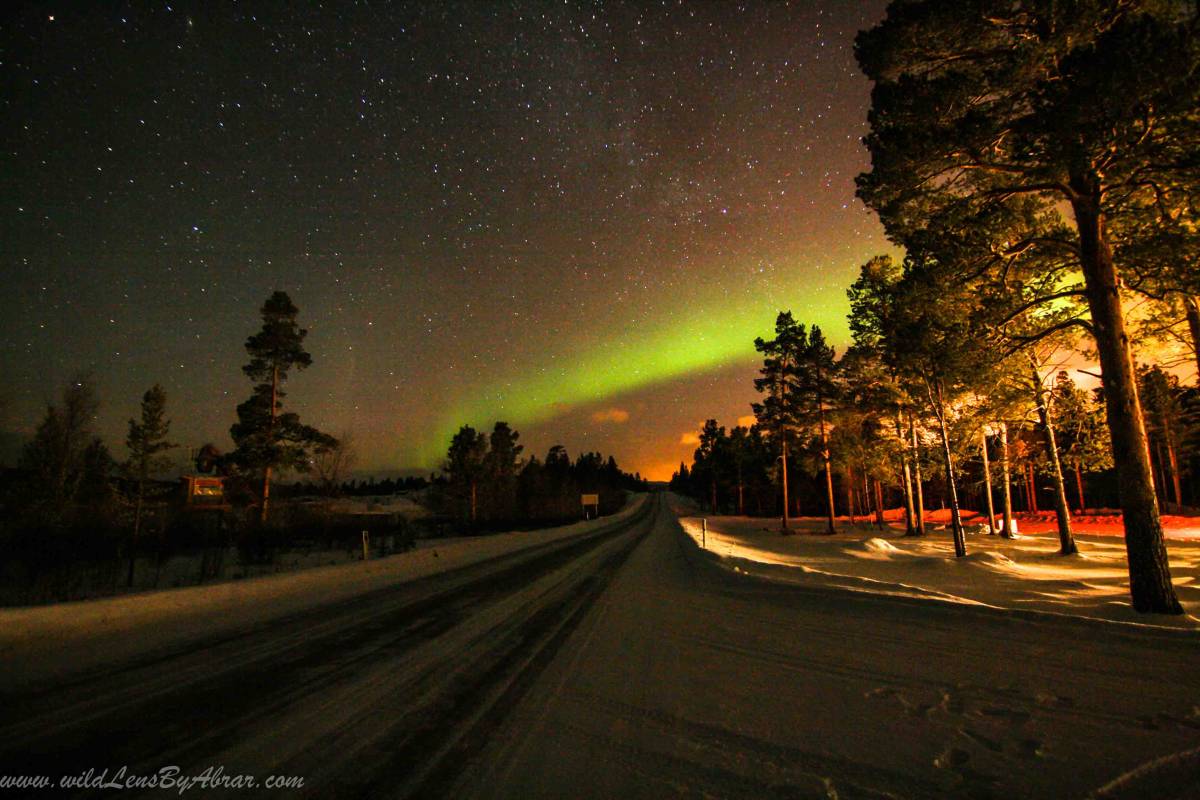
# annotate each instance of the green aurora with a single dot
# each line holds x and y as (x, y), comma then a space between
(715, 330)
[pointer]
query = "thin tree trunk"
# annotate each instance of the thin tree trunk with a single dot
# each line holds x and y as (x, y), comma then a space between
(266, 490)
(987, 484)
(1006, 474)
(1173, 462)
(1150, 584)
(919, 499)
(828, 468)
(1031, 487)
(1066, 542)
(742, 509)
(905, 482)
(850, 494)
(783, 458)
(939, 410)
(1079, 487)
(866, 504)
(1156, 469)
(879, 503)
(474, 498)
(137, 529)
(1192, 304)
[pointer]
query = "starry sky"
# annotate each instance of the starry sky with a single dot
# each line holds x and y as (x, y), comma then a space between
(571, 216)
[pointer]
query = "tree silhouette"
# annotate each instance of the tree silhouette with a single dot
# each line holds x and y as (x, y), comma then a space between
(267, 438)
(465, 467)
(778, 411)
(147, 441)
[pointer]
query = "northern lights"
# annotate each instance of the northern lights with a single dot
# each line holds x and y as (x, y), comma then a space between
(573, 217)
(706, 333)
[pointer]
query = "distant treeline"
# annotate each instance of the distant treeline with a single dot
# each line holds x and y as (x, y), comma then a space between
(367, 487)
(486, 483)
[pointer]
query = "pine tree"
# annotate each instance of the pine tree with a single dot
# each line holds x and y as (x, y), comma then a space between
(465, 467)
(147, 441)
(267, 438)
(777, 412)
(815, 387)
(501, 467)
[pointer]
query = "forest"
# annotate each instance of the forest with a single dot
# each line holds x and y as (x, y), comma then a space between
(1039, 173)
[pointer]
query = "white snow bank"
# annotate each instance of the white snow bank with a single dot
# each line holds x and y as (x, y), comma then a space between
(110, 630)
(1023, 573)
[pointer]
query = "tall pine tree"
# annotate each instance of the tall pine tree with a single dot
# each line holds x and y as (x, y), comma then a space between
(266, 437)
(147, 441)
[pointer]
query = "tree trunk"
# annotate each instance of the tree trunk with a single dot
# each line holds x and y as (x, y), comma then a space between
(714, 496)
(1150, 584)
(828, 469)
(1156, 471)
(1031, 486)
(919, 499)
(266, 490)
(879, 503)
(939, 410)
(1173, 463)
(741, 493)
(866, 495)
(1079, 487)
(474, 499)
(137, 529)
(987, 484)
(850, 494)
(1066, 542)
(783, 458)
(1192, 304)
(1169, 464)
(1006, 474)
(905, 482)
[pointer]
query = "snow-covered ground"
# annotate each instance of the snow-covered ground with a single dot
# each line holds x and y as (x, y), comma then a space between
(33, 639)
(1025, 573)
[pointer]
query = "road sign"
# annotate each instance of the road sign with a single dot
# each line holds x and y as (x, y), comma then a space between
(591, 501)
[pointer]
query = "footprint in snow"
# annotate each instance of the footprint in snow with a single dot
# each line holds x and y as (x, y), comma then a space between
(1054, 701)
(952, 704)
(1015, 716)
(1031, 748)
(990, 744)
(953, 758)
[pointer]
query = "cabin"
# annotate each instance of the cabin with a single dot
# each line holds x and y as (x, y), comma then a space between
(203, 490)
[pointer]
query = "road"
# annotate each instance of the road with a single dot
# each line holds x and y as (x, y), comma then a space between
(623, 664)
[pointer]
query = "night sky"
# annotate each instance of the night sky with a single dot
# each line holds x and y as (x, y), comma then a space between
(574, 217)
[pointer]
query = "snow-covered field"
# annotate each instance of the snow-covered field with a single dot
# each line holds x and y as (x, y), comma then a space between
(1025, 573)
(95, 632)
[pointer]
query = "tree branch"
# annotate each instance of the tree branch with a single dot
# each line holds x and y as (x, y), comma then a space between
(1021, 342)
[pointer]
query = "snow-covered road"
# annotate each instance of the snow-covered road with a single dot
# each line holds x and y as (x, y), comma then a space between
(689, 680)
(621, 664)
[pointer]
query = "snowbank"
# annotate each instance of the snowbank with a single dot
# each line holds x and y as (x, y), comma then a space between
(1021, 574)
(110, 630)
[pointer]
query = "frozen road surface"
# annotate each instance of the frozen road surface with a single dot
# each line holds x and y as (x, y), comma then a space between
(620, 664)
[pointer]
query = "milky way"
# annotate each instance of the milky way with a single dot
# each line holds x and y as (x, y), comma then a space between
(574, 217)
